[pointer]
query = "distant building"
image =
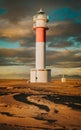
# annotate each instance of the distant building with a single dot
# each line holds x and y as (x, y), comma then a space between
(63, 79)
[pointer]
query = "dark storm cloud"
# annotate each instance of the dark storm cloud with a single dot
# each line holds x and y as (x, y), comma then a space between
(60, 58)
(27, 42)
(23, 29)
(16, 56)
(16, 53)
(16, 24)
(16, 61)
(19, 30)
(17, 9)
(56, 58)
(78, 39)
(61, 44)
(64, 28)
(21, 13)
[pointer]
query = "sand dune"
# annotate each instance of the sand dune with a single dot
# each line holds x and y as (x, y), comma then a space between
(51, 106)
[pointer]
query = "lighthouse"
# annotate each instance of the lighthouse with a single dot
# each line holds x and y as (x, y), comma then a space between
(40, 73)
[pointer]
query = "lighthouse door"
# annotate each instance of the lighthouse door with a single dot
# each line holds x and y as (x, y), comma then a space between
(36, 77)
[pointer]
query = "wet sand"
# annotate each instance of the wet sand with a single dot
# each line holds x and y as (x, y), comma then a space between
(46, 106)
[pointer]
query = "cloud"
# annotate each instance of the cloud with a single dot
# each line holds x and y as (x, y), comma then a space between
(16, 25)
(22, 8)
(17, 22)
(78, 39)
(64, 28)
(27, 42)
(65, 13)
(61, 44)
(26, 56)
(16, 56)
(22, 29)
(22, 52)
(64, 58)
(69, 64)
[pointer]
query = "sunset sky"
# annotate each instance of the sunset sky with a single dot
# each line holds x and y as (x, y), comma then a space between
(17, 38)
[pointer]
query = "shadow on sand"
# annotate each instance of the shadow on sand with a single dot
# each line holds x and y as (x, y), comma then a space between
(71, 101)
(23, 98)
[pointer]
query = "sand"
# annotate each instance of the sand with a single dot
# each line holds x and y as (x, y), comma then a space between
(42, 106)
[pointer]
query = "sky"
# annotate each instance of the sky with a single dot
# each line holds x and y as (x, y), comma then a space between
(17, 38)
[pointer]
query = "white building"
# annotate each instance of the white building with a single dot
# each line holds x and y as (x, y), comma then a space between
(40, 73)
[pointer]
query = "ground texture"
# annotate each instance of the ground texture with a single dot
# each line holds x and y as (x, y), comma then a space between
(46, 106)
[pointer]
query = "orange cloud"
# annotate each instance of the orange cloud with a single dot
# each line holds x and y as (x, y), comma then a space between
(14, 31)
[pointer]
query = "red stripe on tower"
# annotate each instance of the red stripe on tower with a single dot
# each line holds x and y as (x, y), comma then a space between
(40, 34)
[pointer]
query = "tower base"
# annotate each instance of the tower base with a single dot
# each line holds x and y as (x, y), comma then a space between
(40, 75)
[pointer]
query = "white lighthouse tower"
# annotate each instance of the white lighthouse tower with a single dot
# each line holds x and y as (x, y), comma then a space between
(40, 73)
